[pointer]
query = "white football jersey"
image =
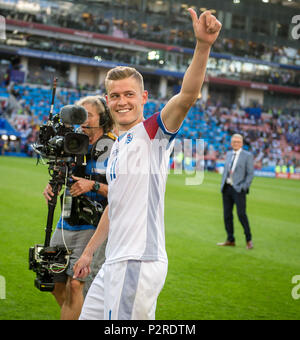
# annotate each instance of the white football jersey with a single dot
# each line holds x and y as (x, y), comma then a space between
(137, 171)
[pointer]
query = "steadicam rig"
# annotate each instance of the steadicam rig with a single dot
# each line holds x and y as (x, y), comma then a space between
(64, 149)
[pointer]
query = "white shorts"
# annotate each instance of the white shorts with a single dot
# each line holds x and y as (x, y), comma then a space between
(126, 290)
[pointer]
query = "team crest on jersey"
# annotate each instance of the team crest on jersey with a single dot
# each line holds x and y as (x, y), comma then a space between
(129, 138)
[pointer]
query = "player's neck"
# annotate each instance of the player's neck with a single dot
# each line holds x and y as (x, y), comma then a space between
(126, 127)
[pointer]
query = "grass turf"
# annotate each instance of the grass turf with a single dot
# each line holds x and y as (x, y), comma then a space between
(204, 281)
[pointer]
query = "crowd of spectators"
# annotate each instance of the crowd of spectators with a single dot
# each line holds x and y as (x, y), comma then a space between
(217, 66)
(220, 67)
(269, 53)
(267, 137)
(273, 138)
(132, 29)
(33, 111)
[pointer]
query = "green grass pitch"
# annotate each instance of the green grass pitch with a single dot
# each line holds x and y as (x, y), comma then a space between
(204, 281)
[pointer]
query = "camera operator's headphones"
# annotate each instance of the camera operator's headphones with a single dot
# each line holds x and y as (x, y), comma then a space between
(106, 120)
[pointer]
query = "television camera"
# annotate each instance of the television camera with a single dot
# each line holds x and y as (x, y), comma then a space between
(64, 149)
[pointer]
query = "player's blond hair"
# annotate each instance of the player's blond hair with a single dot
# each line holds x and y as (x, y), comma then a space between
(123, 72)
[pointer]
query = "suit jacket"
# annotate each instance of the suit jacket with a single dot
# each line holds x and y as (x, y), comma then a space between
(243, 172)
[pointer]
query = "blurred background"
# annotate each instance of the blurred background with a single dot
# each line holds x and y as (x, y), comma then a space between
(252, 84)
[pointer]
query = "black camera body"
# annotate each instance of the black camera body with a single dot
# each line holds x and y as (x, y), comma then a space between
(57, 138)
(64, 148)
(45, 261)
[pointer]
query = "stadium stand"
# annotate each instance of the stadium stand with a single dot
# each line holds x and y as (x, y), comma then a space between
(117, 26)
(252, 84)
(273, 140)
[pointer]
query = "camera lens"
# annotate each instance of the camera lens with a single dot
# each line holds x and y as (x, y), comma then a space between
(73, 145)
(76, 143)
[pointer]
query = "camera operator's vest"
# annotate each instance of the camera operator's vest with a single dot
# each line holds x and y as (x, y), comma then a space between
(87, 209)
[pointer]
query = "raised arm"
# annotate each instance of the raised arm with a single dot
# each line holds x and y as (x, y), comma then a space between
(206, 30)
(82, 266)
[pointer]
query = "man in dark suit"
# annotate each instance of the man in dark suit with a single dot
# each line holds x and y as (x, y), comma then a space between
(236, 180)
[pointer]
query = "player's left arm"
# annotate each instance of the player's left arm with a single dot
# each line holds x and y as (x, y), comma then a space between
(206, 30)
(82, 266)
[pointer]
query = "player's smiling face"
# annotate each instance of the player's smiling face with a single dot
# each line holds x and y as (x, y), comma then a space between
(126, 101)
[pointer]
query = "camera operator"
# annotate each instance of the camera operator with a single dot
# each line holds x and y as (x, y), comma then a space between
(89, 182)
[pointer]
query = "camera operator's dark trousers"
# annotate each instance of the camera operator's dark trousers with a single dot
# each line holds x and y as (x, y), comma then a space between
(231, 197)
